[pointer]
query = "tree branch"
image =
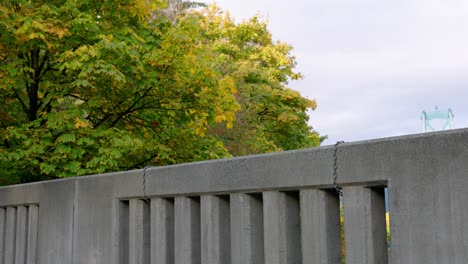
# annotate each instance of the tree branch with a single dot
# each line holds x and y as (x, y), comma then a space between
(129, 109)
(23, 105)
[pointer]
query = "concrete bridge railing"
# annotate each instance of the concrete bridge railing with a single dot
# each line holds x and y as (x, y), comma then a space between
(269, 209)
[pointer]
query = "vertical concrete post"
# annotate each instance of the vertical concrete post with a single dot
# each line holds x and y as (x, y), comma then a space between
(21, 234)
(139, 232)
(246, 229)
(282, 228)
(33, 219)
(2, 233)
(122, 235)
(215, 230)
(320, 221)
(187, 230)
(365, 231)
(162, 231)
(10, 232)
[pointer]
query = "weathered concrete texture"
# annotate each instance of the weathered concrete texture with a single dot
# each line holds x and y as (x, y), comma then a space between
(187, 230)
(120, 249)
(97, 219)
(320, 226)
(101, 228)
(139, 232)
(18, 227)
(215, 230)
(2, 233)
(162, 231)
(32, 235)
(365, 229)
(56, 220)
(282, 228)
(10, 230)
(31, 249)
(246, 229)
(21, 234)
(427, 178)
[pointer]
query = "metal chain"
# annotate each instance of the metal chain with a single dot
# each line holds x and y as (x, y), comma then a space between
(335, 169)
(145, 198)
(335, 173)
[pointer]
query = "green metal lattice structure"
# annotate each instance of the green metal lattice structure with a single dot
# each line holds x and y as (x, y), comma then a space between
(437, 114)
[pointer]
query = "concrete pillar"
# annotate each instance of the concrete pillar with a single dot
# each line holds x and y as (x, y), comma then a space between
(215, 230)
(162, 231)
(187, 230)
(2, 233)
(320, 221)
(139, 252)
(21, 233)
(33, 219)
(282, 228)
(10, 232)
(122, 238)
(365, 231)
(246, 229)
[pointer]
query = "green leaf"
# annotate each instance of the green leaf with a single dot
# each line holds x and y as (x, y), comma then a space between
(66, 138)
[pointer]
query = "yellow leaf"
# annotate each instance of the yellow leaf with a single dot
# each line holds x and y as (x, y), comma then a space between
(228, 83)
(81, 123)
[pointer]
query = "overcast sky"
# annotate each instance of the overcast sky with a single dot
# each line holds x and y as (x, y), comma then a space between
(373, 66)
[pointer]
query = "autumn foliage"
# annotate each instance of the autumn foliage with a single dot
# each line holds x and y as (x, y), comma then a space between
(97, 86)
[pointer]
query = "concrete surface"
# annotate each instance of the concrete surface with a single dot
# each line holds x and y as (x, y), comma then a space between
(364, 214)
(162, 230)
(320, 226)
(247, 229)
(215, 229)
(280, 208)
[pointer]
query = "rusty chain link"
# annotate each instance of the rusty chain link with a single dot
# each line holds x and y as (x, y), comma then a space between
(335, 168)
(145, 198)
(335, 173)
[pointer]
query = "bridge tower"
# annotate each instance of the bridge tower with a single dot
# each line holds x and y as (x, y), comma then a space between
(437, 114)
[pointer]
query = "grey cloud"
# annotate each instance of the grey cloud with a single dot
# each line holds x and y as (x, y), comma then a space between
(373, 66)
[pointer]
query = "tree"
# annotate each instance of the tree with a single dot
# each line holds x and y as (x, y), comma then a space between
(91, 87)
(272, 116)
(173, 9)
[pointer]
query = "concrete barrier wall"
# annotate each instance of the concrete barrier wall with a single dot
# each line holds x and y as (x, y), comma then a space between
(278, 208)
